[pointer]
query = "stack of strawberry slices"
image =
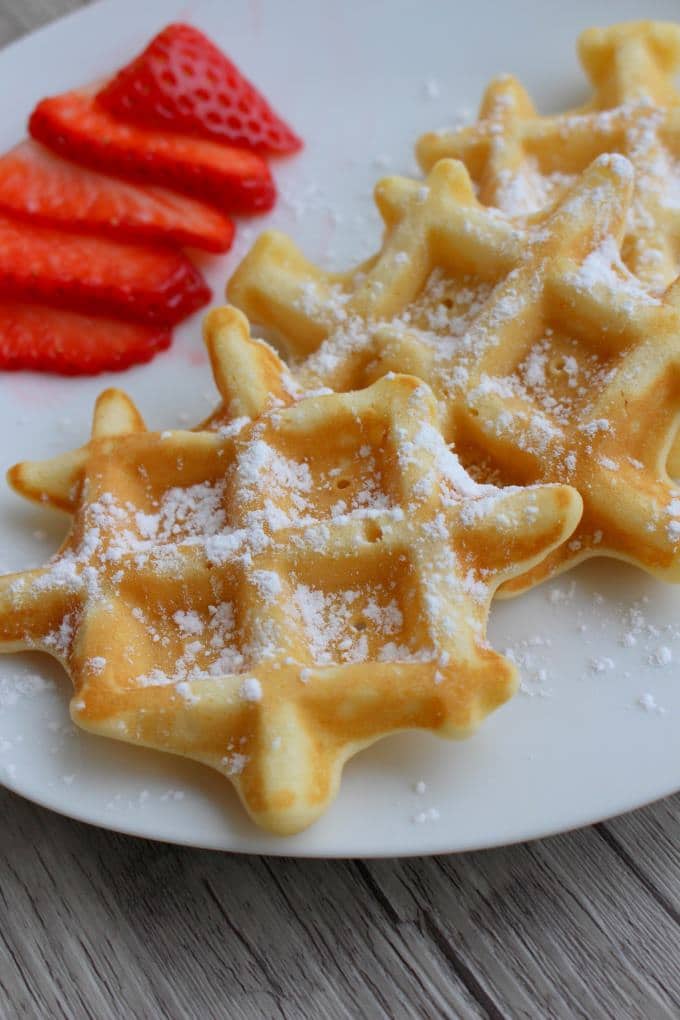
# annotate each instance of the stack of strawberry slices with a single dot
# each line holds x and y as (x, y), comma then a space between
(96, 207)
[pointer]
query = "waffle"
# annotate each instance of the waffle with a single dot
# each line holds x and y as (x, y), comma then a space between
(522, 162)
(282, 586)
(549, 360)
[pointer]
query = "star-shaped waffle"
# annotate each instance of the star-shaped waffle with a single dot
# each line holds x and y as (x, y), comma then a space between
(549, 361)
(273, 591)
(521, 162)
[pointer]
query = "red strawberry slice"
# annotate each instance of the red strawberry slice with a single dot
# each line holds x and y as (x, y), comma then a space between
(36, 184)
(77, 127)
(181, 81)
(96, 275)
(52, 340)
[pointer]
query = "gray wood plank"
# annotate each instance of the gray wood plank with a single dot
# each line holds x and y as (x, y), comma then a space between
(141, 925)
(106, 925)
(649, 842)
(20, 16)
(557, 928)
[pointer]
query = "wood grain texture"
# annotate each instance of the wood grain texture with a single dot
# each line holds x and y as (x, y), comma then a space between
(96, 925)
(104, 926)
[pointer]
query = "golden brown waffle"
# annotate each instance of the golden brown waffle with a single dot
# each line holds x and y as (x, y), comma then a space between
(549, 360)
(522, 162)
(270, 594)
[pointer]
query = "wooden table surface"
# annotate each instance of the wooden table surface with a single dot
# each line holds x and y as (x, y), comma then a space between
(104, 926)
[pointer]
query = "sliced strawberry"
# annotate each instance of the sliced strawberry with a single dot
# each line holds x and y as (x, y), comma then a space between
(95, 275)
(52, 340)
(36, 184)
(77, 127)
(182, 82)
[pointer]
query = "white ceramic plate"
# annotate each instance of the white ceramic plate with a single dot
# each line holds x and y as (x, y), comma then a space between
(595, 730)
